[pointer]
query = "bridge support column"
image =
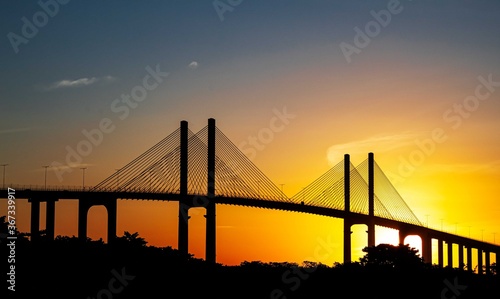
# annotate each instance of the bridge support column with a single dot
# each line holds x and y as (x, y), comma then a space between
(35, 219)
(83, 209)
(469, 259)
(497, 255)
(449, 246)
(460, 256)
(427, 249)
(347, 241)
(50, 218)
(401, 236)
(210, 249)
(112, 210)
(183, 228)
(440, 253)
(487, 262)
(371, 234)
(479, 261)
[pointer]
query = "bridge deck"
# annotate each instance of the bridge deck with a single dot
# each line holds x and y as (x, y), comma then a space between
(35, 193)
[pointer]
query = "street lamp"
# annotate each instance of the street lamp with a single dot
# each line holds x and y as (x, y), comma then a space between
(83, 183)
(3, 180)
(282, 188)
(469, 230)
(427, 220)
(45, 166)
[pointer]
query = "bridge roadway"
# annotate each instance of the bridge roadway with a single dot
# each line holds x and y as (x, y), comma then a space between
(88, 198)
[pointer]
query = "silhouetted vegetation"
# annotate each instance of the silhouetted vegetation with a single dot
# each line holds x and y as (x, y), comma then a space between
(394, 257)
(69, 268)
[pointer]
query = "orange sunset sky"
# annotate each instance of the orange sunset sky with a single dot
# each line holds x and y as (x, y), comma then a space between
(423, 94)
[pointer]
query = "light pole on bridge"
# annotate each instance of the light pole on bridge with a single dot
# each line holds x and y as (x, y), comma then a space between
(469, 230)
(482, 235)
(427, 220)
(45, 182)
(83, 179)
(282, 188)
(3, 179)
(494, 238)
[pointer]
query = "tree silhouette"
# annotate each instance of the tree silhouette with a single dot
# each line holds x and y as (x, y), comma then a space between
(3, 227)
(390, 256)
(159, 270)
(132, 239)
(492, 271)
(5, 231)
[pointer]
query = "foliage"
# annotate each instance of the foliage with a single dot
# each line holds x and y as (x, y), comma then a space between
(4, 231)
(390, 256)
(131, 239)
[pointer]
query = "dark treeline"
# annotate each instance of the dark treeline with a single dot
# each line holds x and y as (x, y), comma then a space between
(69, 268)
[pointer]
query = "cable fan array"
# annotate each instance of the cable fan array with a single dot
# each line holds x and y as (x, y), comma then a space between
(158, 171)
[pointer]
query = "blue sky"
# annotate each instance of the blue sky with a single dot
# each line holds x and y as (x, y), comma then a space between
(98, 50)
(238, 67)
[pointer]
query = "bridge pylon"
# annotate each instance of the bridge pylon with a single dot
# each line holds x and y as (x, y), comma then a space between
(371, 200)
(349, 221)
(347, 207)
(185, 203)
(210, 249)
(183, 228)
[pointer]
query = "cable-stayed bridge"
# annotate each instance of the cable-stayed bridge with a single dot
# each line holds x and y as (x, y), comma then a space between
(204, 169)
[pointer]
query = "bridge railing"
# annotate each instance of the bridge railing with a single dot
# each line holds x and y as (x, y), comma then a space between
(60, 188)
(459, 231)
(47, 188)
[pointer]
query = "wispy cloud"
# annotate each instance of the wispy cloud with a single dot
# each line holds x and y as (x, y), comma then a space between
(15, 130)
(70, 83)
(380, 143)
(193, 65)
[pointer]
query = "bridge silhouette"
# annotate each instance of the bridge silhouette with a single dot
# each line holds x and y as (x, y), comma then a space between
(204, 169)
